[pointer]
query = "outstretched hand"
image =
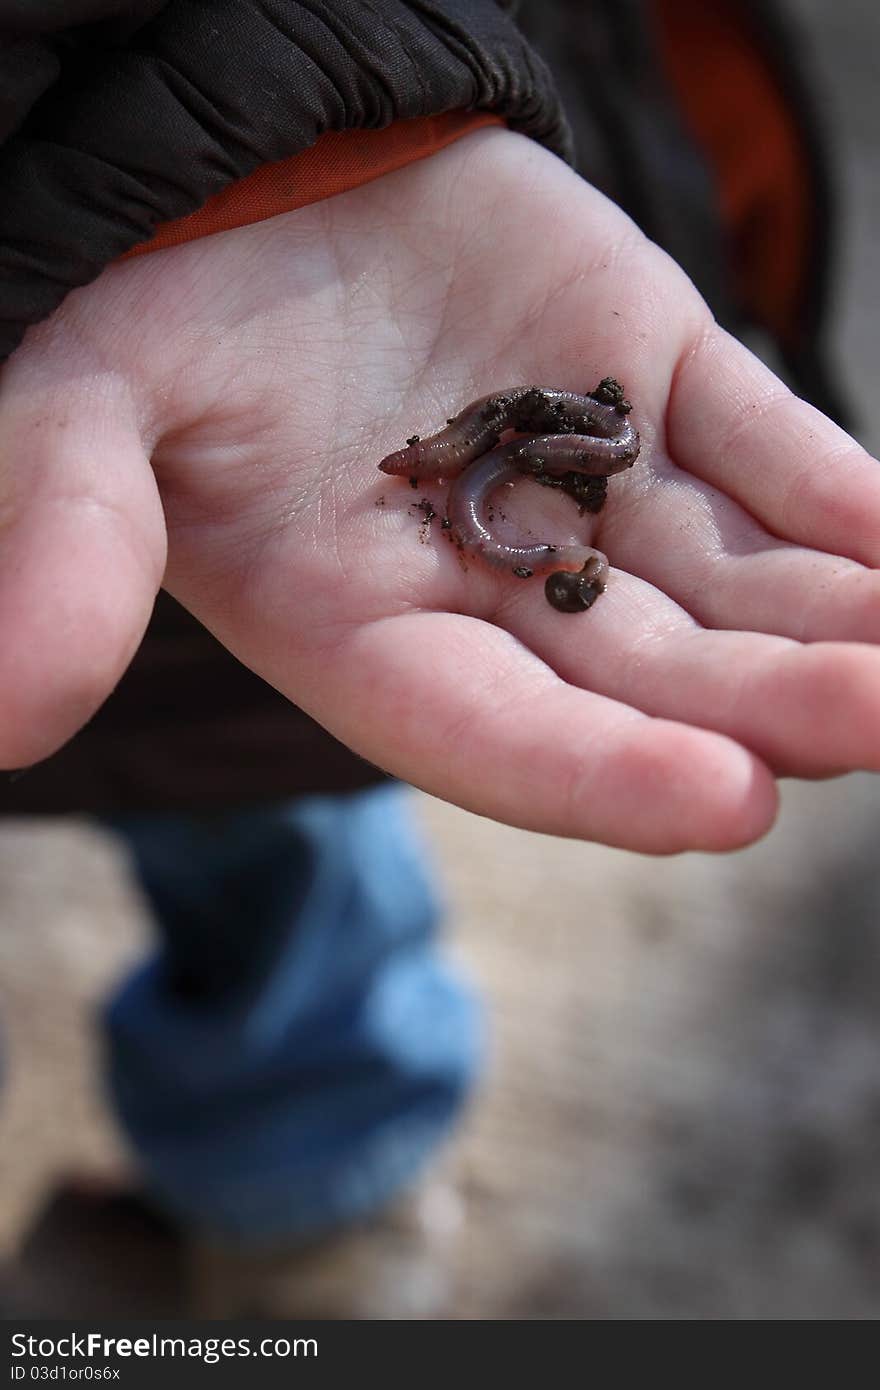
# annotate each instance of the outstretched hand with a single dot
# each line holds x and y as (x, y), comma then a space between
(210, 418)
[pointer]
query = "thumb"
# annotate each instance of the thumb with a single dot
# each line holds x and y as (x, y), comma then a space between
(82, 552)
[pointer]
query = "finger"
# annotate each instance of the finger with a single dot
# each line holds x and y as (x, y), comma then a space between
(81, 559)
(710, 555)
(731, 422)
(806, 710)
(463, 710)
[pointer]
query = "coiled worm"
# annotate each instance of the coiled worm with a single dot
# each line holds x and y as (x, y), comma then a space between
(572, 439)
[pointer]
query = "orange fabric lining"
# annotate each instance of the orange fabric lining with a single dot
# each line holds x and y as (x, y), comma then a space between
(739, 116)
(338, 161)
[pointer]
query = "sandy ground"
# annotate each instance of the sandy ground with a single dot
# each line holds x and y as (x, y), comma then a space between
(682, 1112)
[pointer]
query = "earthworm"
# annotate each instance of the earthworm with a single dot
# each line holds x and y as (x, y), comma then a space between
(466, 514)
(578, 435)
(596, 427)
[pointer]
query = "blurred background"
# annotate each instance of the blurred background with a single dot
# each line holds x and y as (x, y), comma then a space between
(681, 1117)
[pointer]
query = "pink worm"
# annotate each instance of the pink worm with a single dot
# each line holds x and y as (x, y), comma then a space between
(578, 434)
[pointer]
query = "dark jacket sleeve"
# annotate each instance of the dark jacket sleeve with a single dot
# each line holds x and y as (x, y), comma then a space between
(141, 114)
